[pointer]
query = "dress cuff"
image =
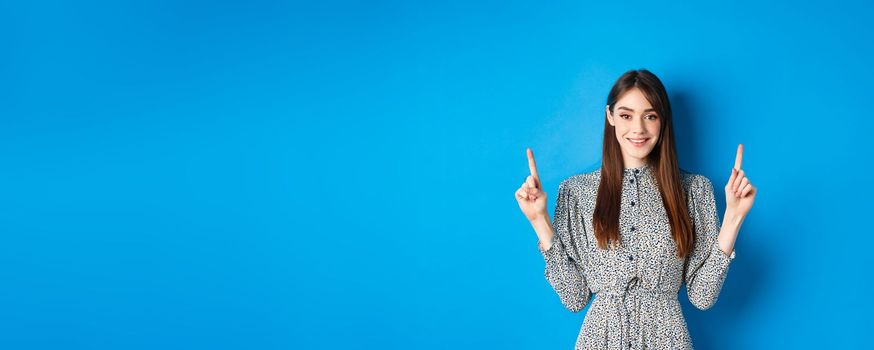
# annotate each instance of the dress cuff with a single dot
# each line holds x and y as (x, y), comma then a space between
(722, 256)
(554, 250)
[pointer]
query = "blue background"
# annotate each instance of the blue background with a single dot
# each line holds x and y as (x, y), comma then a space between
(274, 175)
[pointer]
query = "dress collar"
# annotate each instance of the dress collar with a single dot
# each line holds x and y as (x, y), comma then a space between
(641, 170)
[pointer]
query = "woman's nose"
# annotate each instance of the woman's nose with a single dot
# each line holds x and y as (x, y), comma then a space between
(638, 126)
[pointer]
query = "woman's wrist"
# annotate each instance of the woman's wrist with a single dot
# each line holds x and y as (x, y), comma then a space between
(731, 223)
(732, 218)
(543, 228)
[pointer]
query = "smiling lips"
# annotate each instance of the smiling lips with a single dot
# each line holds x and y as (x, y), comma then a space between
(638, 142)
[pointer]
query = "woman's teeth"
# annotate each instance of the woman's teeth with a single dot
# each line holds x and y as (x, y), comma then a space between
(638, 142)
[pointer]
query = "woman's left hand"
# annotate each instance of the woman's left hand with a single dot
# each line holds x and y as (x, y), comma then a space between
(739, 192)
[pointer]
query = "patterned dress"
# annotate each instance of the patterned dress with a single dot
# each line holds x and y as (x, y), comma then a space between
(634, 288)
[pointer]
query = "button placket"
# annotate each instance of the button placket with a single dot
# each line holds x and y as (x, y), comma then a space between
(635, 212)
(635, 194)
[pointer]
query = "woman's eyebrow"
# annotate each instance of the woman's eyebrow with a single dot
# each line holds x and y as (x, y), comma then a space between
(632, 111)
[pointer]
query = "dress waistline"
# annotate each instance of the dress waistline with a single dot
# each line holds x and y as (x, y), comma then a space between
(617, 298)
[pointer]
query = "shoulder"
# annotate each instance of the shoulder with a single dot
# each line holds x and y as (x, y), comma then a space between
(581, 185)
(695, 183)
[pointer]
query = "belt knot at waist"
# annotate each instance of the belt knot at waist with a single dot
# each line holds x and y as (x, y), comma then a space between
(617, 296)
(634, 287)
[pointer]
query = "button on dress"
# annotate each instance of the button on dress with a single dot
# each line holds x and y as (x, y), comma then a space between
(634, 288)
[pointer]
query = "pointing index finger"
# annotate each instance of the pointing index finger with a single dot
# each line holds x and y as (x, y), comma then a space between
(533, 166)
(739, 157)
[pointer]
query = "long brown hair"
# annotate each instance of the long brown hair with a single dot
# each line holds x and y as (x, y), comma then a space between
(662, 160)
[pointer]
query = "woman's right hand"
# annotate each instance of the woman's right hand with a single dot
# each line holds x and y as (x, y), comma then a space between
(531, 197)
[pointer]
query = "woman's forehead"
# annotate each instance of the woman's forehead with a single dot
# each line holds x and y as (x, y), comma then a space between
(635, 101)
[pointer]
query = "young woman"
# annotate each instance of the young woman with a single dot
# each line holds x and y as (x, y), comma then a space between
(629, 234)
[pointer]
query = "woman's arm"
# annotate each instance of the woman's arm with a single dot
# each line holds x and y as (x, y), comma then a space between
(739, 197)
(545, 233)
(564, 270)
(707, 265)
(563, 261)
(728, 233)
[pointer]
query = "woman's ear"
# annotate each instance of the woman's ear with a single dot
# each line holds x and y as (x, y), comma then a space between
(609, 115)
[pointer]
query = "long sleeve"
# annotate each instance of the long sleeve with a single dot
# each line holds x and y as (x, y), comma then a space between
(707, 266)
(563, 261)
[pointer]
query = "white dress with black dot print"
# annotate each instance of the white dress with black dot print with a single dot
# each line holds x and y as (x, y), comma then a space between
(634, 288)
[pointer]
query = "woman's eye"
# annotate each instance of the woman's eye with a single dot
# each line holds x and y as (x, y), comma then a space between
(623, 115)
(652, 116)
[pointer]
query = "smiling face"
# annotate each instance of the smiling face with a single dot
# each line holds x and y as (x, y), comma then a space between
(637, 127)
